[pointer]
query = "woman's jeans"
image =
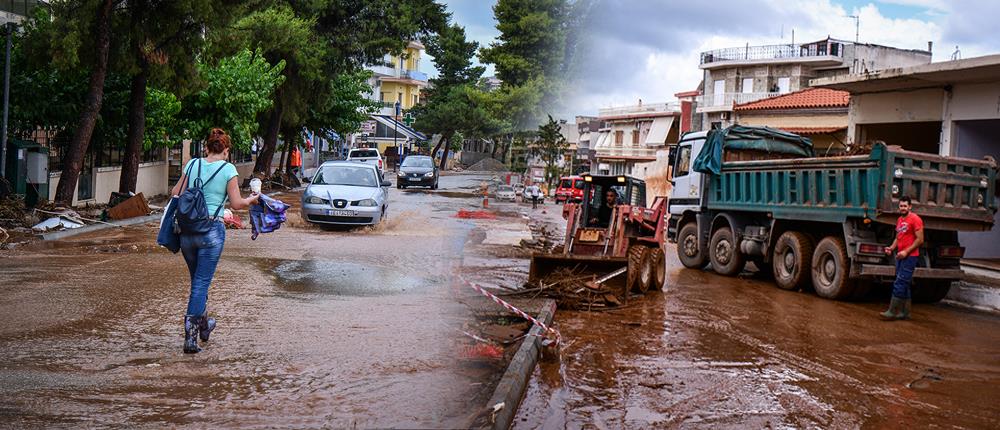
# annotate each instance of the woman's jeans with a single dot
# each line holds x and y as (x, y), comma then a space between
(201, 253)
(904, 277)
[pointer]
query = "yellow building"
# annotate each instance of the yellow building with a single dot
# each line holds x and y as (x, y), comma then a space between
(401, 81)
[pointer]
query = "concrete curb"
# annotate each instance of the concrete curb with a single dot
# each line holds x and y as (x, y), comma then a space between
(62, 234)
(514, 381)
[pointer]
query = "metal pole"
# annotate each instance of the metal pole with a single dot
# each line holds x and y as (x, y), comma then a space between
(395, 124)
(6, 102)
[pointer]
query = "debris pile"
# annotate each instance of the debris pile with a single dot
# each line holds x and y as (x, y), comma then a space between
(488, 165)
(465, 214)
(544, 238)
(574, 288)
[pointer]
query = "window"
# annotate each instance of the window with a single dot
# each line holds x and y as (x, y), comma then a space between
(381, 97)
(414, 100)
(635, 137)
(747, 85)
(619, 137)
(784, 85)
(683, 161)
(718, 93)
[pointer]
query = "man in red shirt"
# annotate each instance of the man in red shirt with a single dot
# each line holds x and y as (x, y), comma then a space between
(909, 238)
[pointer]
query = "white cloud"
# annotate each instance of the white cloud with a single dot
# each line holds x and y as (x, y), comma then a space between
(650, 49)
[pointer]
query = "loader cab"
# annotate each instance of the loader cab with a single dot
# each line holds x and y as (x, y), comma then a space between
(598, 191)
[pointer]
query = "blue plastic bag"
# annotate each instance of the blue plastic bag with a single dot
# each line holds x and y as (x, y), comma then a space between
(169, 236)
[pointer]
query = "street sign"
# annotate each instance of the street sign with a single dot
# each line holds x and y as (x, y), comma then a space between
(408, 119)
(368, 127)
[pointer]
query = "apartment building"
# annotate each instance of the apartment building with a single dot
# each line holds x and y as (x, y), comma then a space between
(741, 75)
(631, 135)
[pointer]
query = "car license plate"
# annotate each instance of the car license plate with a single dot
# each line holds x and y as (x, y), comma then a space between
(414, 179)
(341, 213)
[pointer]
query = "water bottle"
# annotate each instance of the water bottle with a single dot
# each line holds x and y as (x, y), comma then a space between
(255, 185)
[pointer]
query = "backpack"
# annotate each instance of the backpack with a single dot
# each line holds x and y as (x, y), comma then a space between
(267, 215)
(192, 212)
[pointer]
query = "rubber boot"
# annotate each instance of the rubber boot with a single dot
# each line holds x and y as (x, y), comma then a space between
(892, 313)
(904, 313)
(205, 327)
(191, 334)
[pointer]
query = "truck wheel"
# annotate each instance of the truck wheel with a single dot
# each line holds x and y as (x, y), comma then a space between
(659, 269)
(635, 253)
(646, 271)
(930, 291)
(793, 253)
(726, 257)
(831, 269)
(688, 250)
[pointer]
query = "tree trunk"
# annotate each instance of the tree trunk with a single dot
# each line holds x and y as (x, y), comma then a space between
(446, 143)
(136, 129)
(92, 107)
(266, 154)
(286, 153)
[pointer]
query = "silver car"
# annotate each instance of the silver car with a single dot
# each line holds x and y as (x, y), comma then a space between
(347, 193)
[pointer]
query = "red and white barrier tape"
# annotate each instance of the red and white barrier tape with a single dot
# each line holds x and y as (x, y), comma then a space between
(517, 311)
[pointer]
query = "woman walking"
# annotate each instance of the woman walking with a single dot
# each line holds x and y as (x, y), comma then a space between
(218, 181)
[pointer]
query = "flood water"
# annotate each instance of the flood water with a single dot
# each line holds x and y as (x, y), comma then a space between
(717, 352)
(349, 328)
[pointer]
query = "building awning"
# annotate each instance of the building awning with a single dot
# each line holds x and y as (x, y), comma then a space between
(603, 139)
(400, 127)
(658, 131)
(812, 130)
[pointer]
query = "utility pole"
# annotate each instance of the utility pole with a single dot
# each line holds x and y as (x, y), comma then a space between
(395, 124)
(9, 27)
(857, 26)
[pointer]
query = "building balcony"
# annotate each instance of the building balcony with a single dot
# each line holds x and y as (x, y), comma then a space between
(640, 109)
(826, 53)
(725, 101)
(625, 152)
(393, 73)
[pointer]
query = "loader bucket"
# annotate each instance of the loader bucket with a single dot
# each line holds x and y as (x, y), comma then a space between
(543, 264)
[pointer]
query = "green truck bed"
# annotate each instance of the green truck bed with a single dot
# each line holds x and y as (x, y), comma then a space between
(949, 193)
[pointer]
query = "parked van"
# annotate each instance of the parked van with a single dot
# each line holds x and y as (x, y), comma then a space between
(570, 189)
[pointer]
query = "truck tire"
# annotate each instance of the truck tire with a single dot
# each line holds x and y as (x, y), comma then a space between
(725, 253)
(930, 290)
(646, 271)
(831, 269)
(793, 253)
(634, 258)
(659, 269)
(688, 250)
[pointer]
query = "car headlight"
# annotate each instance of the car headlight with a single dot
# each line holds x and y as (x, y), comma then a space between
(365, 202)
(400, 174)
(429, 174)
(313, 200)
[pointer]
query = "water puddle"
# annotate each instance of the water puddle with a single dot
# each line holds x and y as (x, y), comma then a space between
(343, 279)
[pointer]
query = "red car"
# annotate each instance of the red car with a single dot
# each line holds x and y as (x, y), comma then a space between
(570, 189)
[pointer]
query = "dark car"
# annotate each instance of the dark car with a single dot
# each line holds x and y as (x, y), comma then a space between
(417, 171)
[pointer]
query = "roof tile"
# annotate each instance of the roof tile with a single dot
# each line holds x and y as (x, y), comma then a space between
(807, 98)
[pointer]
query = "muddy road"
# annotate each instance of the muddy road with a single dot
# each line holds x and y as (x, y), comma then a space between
(717, 352)
(316, 328)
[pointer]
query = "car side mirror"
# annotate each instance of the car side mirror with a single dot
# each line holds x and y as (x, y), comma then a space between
(386, 183)
(672, 156)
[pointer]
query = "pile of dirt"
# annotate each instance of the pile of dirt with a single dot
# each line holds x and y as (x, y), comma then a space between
(488, 165)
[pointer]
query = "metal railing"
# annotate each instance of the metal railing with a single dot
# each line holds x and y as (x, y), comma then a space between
(397, 73)
(773, 52)
(729, 99)
(668, 107)
(625, 151)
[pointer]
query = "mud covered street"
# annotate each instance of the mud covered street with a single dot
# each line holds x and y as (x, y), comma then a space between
(316, 328)
(717, 352)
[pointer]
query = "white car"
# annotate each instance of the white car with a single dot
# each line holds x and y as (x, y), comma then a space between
(367, 156)
(505, 192)
(343, 192)
(526, 194)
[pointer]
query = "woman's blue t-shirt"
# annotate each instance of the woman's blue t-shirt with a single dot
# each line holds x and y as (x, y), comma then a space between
(214, 190)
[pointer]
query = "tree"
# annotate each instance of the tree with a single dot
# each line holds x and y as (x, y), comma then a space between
(84, 129)
(236, 90)
(529, 56)
(164, 38)
(347, 107)
(551, 145)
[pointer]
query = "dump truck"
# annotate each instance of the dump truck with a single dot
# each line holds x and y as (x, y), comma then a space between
(749, 194)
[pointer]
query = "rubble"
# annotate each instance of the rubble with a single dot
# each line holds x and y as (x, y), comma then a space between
(574, 288)
(488, 165)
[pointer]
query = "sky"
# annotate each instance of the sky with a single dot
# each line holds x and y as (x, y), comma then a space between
(649, 49)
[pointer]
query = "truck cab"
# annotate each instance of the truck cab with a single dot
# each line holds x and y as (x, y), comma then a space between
(570, 189)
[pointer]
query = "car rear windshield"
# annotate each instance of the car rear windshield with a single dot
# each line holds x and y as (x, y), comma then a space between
(346, 175)
(418, 162)
(506, 188)
(365, 153)
(565, 183)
